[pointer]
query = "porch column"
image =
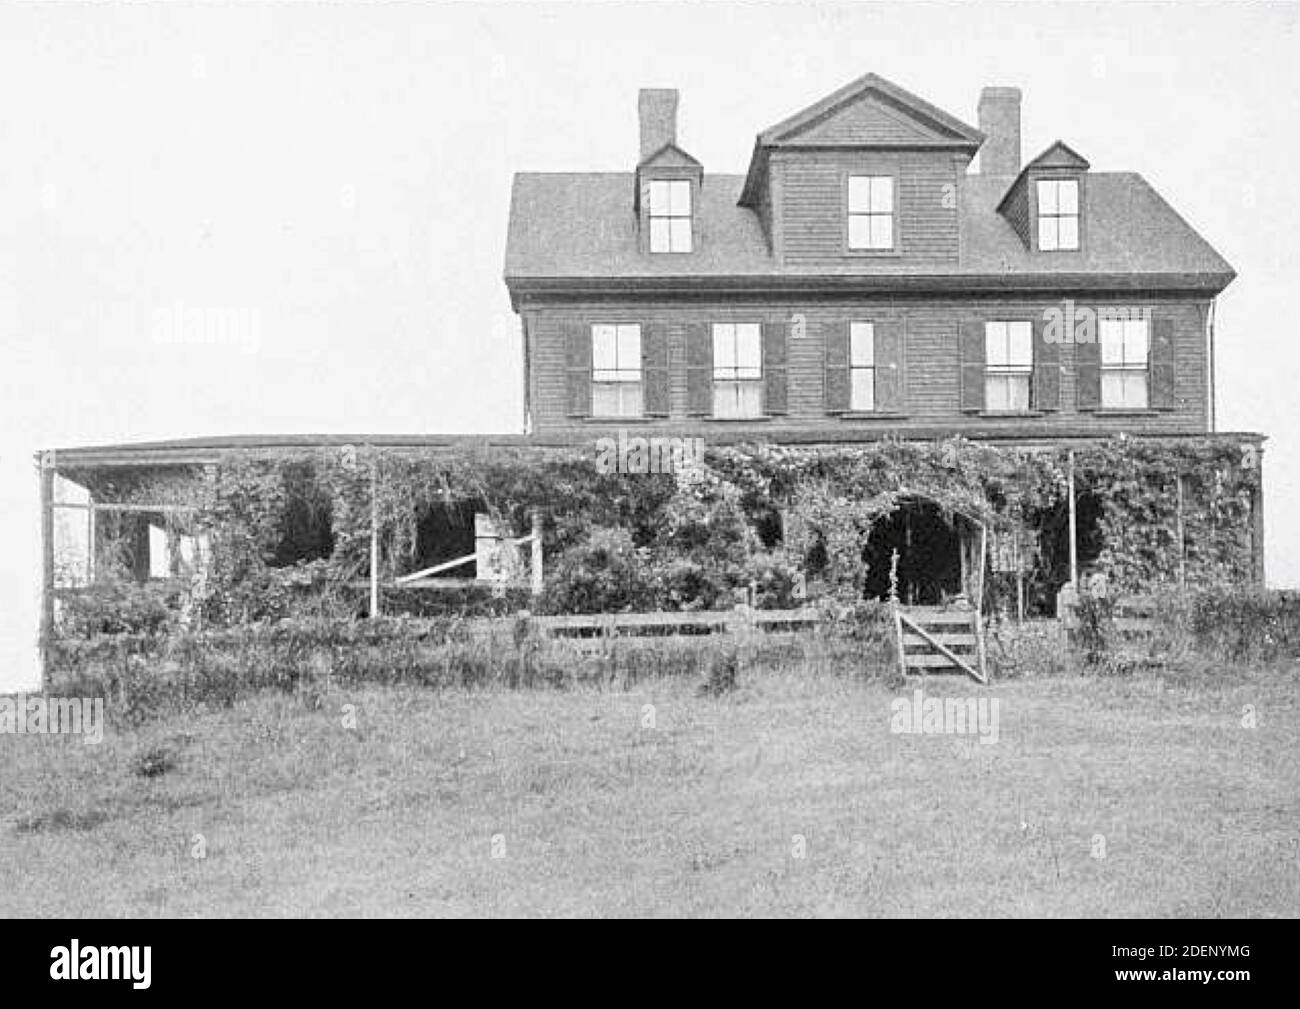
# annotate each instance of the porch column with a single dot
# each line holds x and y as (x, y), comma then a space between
(46, 638)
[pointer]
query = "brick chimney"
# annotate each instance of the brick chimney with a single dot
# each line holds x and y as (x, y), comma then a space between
(999, 115)
(657, 110)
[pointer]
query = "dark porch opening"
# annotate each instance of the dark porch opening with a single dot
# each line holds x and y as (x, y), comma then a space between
(929, 555)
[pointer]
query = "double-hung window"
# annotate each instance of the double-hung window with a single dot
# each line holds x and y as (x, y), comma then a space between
(1058, 215)
(862, 366)
(871, 212)
(616, 389)
(737, 370)
(670, 215)
(1124, 346)
(1008, 365)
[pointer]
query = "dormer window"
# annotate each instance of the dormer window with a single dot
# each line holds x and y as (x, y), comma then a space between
(670, 215)
(871, 213)
(1058, 215)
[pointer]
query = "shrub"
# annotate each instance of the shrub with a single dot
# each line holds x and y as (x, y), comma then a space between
(117, 605)
(603, 573)
(1247, 624)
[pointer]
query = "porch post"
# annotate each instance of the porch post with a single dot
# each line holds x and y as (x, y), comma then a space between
(536, 556)
(1074, 538)
(374, 536)
(47, 563)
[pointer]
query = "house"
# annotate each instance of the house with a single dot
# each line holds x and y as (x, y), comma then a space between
(880, 269)
(865, 280)
(863, 277)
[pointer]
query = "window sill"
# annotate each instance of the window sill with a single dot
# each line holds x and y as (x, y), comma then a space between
(622, 420)
(869, 415)
(757, 418)
(1115, 411)
(875, 253)
(1011, 413)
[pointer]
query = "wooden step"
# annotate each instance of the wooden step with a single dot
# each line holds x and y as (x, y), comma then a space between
(932, 661)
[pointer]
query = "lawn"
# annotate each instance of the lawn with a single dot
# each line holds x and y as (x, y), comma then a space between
(790, 796)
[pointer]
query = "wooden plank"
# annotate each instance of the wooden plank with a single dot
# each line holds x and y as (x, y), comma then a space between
(946, 614)
(946, 637)
(933, 661)
(160, 508)
(957, 660)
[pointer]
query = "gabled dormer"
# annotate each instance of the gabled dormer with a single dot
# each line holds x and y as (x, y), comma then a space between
(867, 174)
(1045, 204)
(668, 180)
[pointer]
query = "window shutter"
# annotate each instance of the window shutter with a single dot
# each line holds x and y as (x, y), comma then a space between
(1047, 371)
(972, 365)
(1087, 369)
(654, 369)
(774, 367)
(837, 367)
(699, 369)
(1162, 363)
(889, 367)
(577, 359)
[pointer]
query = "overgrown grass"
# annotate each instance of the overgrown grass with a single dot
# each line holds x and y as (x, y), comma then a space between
(639, 796)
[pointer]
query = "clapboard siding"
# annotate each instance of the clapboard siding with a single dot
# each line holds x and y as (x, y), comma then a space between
(812, 209)
(931, 378)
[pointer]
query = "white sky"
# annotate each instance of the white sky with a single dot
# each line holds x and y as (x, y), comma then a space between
(330, 183)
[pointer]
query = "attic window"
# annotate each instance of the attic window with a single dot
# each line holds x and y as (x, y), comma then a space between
(1058, 215)
(871, 212)
(670, 215)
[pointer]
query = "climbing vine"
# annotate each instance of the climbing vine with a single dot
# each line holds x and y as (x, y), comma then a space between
(768, 516)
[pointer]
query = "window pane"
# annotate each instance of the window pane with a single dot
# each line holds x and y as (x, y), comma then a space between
(630, 403)
(1047, 233)
(995, 392)
(1112, 388)
(859, 194)
(724, 345)
(604, 400)
(1111, 333)
(749, 346)
(863, 390)
(660, 239)
(751, 399)
(629, 347)
(681, 234)
(882, 231)
(680, 192)
(995, 343)
(1135, 341)
(1047, 203)
(859, 232)
(659, 199)
(882, 194)
(862, 344)
(1018, 392)
(604, 352)
(1068, 233)
(1135, 389)
(1021, 344)
(1067, 196)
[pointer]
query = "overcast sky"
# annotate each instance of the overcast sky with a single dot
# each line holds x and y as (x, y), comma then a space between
(329, 185)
